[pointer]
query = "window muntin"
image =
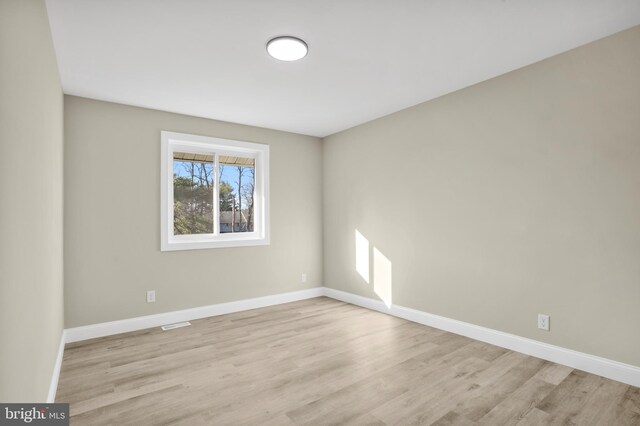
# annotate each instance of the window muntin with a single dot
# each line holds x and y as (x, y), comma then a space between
(214, 192)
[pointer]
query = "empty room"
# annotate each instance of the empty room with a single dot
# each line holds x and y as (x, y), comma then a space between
(305, 212)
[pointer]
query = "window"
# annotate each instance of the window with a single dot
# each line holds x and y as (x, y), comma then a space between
(215, 192)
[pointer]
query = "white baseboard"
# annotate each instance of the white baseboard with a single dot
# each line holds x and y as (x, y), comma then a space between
(139, 323)
(593, 364)
(621, 372)
(53, 387)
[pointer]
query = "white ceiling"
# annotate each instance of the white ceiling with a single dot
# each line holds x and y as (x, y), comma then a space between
(367, 58)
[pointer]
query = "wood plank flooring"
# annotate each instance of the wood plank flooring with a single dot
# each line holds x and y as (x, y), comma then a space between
(324, 362)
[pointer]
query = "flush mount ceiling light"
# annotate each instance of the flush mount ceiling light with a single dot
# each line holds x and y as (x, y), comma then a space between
(287, 48)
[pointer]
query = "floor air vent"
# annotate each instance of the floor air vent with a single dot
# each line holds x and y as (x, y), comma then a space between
(176, 325)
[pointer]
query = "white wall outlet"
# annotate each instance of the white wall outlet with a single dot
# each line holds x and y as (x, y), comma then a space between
(543, 322)
(151, 296)
(303, 279)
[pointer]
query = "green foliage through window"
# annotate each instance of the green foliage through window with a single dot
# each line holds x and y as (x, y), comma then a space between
(192, 197)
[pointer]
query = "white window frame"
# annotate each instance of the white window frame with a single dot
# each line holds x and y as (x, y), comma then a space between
(182, 142)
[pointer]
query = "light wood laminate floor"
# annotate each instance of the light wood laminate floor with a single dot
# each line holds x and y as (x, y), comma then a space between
(322, 362)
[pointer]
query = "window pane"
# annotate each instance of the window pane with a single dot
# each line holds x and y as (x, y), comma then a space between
(237, 184)
(192, 193)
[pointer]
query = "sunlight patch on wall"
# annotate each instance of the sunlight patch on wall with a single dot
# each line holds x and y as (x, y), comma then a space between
(362, 256)
(382, 276)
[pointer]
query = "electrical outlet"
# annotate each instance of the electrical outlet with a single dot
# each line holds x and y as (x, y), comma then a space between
(543, 322)
(303, 279)
(151, 296)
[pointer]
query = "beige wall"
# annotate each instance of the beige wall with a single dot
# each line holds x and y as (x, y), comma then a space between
(31, 126)
(517, 196)
(112, 218)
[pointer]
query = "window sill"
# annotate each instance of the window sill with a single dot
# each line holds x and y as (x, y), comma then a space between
(189, 244)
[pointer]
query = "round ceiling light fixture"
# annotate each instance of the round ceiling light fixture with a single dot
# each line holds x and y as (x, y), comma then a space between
(287, 48)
